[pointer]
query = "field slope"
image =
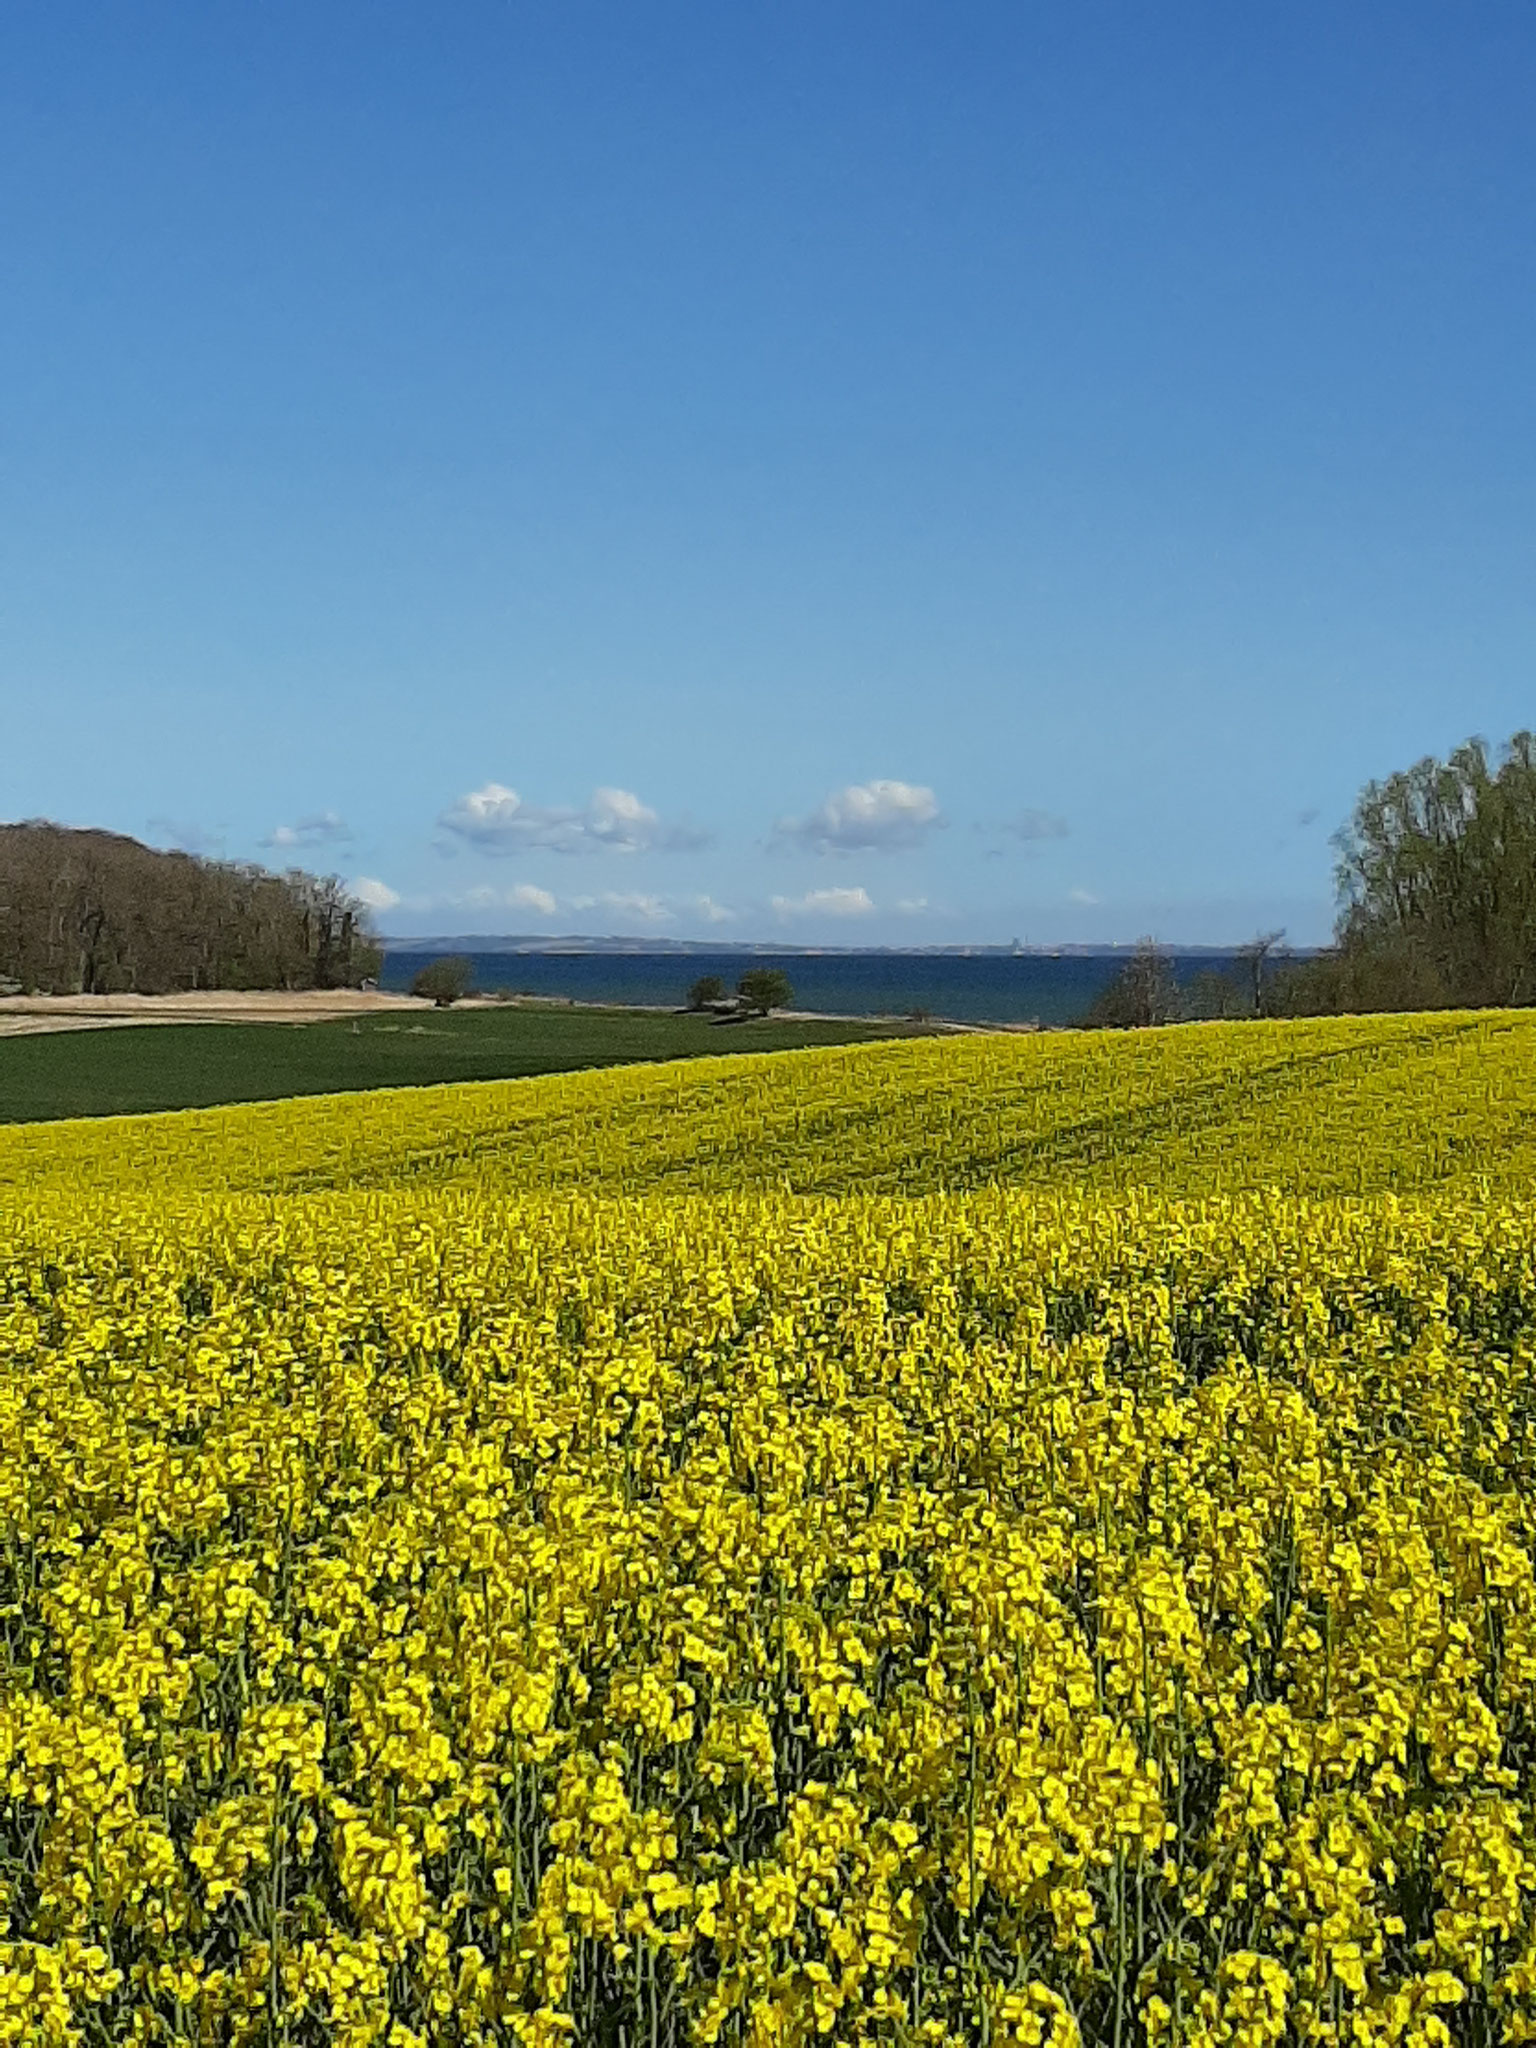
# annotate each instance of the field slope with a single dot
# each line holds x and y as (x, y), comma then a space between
(167, 1065)
(1025, 1542)
(1351, 1106)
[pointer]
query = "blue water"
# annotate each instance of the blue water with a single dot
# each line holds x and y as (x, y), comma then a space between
(979, 989)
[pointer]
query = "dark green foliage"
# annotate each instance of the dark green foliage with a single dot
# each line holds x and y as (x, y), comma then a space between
(709, 988)
(765, 988)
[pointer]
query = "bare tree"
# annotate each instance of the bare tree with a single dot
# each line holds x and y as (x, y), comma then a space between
(1144, 992)
(97, 911)
(1253, 957)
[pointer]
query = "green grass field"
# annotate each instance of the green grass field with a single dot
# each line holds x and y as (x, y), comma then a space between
(194, 1066)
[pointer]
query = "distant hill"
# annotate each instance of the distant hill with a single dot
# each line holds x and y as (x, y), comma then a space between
(576, 942)
(95, 913)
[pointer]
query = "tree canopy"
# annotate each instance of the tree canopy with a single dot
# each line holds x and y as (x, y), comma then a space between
(709, 988)
(1436, 879)
(765, 988)
(1437, 884)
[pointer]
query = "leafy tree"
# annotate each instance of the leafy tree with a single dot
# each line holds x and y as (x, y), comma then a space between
(445, 981)
(709, 988)
(763, 989)
(1144, 992)
(1437, 884)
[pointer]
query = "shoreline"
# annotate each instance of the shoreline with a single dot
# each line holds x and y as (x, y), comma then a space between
(28, 1016)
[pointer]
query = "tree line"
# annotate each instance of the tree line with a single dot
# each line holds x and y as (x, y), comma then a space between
(1436, 891)
(98, 913)
(1436, 882)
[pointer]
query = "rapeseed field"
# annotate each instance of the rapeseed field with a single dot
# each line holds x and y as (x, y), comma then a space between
(989, 1541)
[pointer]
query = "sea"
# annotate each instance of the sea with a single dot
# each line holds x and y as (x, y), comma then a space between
(987, 988)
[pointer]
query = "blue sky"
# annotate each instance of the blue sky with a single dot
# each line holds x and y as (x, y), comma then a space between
(830, 472)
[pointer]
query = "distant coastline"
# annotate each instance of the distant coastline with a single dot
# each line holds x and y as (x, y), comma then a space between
(963, 985)
(578, 945)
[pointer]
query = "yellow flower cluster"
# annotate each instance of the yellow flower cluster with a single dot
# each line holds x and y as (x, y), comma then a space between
(462, 1583)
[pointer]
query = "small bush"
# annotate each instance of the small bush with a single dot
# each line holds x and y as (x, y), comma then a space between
(709, 988)
(443, 981)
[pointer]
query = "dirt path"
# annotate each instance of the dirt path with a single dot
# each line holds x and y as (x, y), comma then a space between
(21, 1015)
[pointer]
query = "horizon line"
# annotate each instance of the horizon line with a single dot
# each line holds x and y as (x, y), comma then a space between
(539, 942)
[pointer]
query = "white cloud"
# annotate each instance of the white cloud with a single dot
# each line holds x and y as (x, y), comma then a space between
(1081, 896)
(713, 912)
(529, 896)
(496, 820)
(320, 828)
(825, 903)
(650, 909)
(1031, 824)
(626, 903)
(912, 906)
(881, 815)
(375, 894)
(486, 896)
